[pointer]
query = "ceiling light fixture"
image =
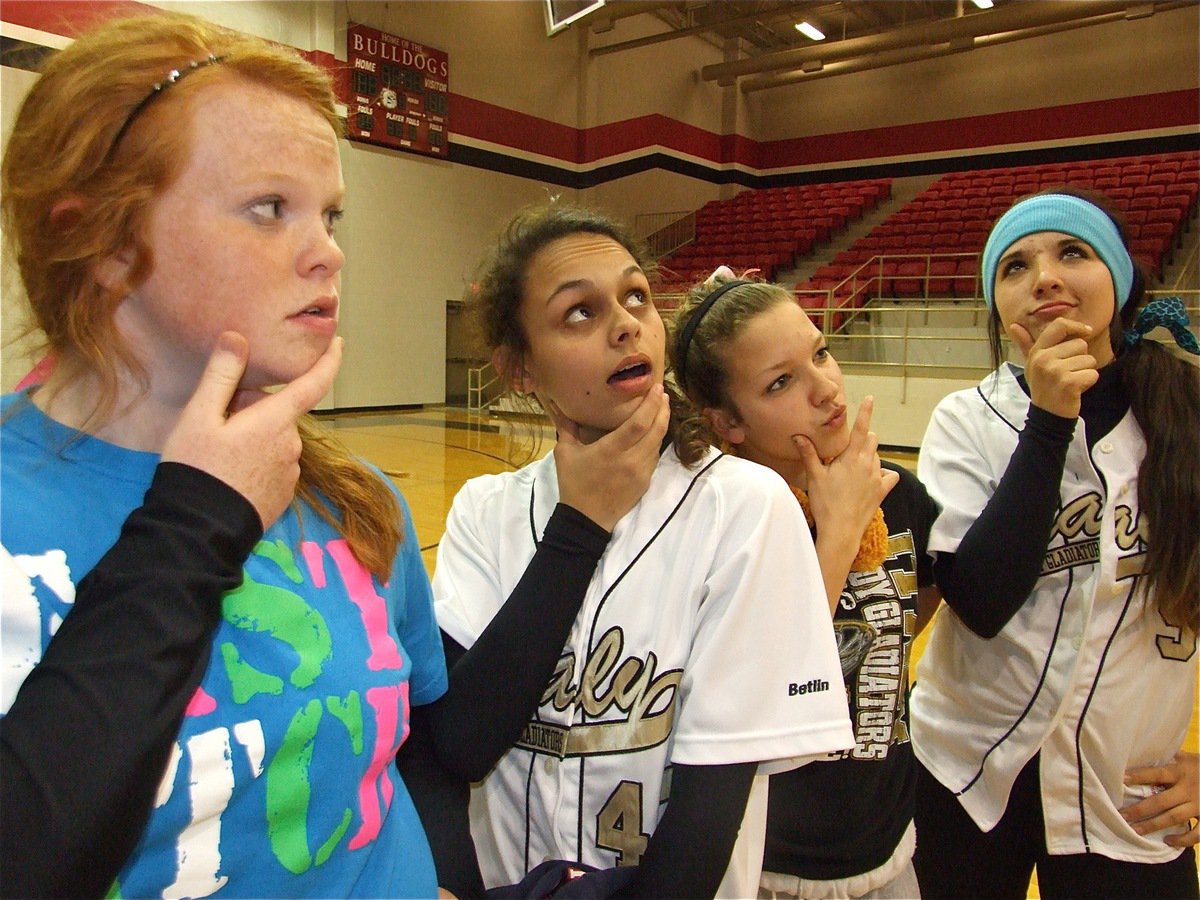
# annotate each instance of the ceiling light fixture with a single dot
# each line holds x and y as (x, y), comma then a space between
(810, 31)
(983, 4)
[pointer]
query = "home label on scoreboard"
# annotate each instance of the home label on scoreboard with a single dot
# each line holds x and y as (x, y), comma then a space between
(399, 92)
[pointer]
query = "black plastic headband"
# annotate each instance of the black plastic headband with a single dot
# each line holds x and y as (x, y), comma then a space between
(693, 322)
(173, 76)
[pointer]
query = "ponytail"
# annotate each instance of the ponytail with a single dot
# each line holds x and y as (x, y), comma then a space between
(1164, 396)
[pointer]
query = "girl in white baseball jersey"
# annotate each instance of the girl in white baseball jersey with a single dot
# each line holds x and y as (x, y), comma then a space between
(658, 605)
(1053, 699)
(759, 372)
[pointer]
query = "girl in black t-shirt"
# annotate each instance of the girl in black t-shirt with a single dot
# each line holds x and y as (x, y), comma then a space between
(764, 384)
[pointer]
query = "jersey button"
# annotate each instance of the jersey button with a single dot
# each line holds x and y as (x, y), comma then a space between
(1106, 447)
(548, 766)
(1077, 641)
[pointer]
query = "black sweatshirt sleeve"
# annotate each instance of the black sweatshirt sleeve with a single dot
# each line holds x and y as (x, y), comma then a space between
(1011, 533)
(443, 802)
(689, 851)
(89, 733)
(481, 716)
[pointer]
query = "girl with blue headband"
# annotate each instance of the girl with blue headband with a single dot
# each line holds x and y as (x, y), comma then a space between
(1054, 697)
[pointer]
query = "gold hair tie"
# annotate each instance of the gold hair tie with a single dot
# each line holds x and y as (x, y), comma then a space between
(873, 549)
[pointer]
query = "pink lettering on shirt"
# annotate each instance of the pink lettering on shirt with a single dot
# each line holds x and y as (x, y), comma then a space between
(315, 560)
(201, 704)
(385, 654)
(390, 703)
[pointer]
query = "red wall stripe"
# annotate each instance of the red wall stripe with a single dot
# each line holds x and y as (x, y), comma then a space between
(631, 135)
(1096, 118)
(507, 127)
(524, 133)
(68, 19)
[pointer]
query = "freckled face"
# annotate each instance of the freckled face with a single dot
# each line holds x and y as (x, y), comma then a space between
(1048, 275)
(596, 341)
(784, 382)
(243, 241)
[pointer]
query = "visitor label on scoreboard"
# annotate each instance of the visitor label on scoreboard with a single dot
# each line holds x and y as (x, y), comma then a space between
(399, 92)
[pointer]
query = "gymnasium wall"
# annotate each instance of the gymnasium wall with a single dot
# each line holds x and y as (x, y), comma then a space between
(639, 131)
(1128, 79)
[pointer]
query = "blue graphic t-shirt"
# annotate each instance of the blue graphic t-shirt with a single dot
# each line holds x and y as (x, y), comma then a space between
(281, 780)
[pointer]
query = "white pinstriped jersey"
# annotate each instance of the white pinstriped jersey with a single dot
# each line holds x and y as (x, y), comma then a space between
(1087, 671)
(704, 638)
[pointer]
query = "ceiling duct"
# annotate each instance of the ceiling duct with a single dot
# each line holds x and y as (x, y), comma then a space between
(1015, 17)
(714, 25)
(860, 63)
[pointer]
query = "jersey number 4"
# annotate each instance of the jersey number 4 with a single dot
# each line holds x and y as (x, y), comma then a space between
(619, 824)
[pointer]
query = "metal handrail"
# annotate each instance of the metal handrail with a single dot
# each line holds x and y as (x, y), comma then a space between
(476, 387)
(916, 310)
(666, 232)
(479, 380)
(870, 275)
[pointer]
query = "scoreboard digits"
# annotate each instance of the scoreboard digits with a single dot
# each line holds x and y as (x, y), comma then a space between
(399, 92)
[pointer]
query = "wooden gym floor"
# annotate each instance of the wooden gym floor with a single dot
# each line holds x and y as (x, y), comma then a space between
(431, 452)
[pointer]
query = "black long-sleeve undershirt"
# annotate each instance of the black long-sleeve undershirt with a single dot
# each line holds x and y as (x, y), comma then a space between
(1011, 534)
(464, 734)
(459, 738)
(689, 851)
(481, 716)
(89, 732)
(686, 856)
(443, 801)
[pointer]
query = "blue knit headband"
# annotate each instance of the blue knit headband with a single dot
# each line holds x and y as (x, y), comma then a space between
(1069, 215)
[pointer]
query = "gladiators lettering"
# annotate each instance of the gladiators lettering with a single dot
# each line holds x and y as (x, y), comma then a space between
(647, 699)
(545, 737)
(1082, 517)
(1058, 558)
(878, 687)
(874, 650)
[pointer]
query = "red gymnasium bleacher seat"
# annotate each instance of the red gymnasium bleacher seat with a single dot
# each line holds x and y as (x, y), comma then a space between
(1163, 231)
(1149, 254)
(941, 276)
(910, 279)
(966, 276)
(973, 240)
(1172, 215)
(1122, 196)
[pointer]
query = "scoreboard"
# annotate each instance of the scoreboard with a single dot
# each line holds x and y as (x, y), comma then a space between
(398, 92)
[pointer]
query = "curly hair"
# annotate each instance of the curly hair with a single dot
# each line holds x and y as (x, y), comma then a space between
(495, 297)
